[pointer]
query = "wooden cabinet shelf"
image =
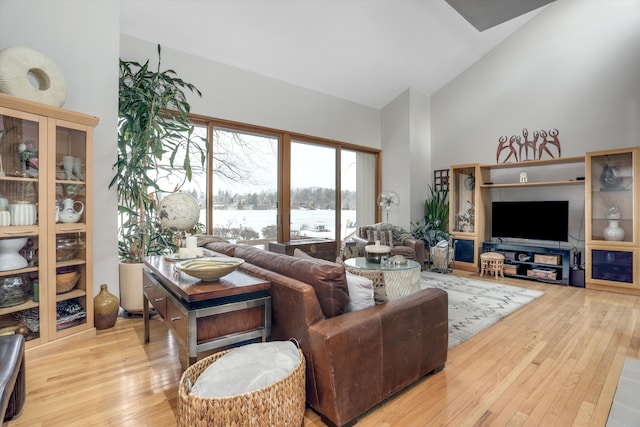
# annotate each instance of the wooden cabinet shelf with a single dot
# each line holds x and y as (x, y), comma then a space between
(18, 272)
(532, 184)
(612, 236)
(74, 293)
(39, 140)
(535, 163)
(24, 306)
(477, 198)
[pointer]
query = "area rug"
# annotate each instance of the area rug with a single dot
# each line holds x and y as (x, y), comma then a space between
(474, 305)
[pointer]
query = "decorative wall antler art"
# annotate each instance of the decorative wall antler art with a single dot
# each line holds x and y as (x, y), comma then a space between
(533, 148)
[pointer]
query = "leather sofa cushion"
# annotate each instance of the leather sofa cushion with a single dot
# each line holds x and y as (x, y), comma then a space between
(360, 287)
(327, 279)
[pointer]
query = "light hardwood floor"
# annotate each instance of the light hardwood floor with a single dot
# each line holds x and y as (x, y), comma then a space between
(554, 362)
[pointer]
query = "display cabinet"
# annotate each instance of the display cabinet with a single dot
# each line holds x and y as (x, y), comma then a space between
(473, 187)
(46, 272)
(611, 200)
(466, 223)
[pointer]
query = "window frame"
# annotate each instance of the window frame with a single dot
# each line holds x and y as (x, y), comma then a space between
(285, 139)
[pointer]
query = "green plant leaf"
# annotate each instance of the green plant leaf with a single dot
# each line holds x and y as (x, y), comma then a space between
(153, 126)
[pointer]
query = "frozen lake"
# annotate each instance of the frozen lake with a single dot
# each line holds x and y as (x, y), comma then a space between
(300, 219)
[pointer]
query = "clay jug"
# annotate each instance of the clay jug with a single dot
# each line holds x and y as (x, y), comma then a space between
(105, 309)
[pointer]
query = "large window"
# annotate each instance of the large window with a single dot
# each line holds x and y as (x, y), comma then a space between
(244, 201)
(262, 185)
(360, 182)
(313, 191)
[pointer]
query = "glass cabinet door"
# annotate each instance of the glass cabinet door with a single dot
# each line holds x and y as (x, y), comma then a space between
(611, 219)
(462, 198)
(70, 211)
(22, 139)
(612, 194)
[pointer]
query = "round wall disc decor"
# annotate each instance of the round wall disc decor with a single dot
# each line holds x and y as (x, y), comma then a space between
(20, 64)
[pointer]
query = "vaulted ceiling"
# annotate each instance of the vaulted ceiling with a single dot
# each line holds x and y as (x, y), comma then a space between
(365, 51)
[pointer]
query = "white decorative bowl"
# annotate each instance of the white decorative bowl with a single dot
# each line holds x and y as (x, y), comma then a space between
(209, 269)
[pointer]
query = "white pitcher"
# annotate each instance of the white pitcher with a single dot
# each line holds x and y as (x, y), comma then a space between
(70, 206)
(23, 213)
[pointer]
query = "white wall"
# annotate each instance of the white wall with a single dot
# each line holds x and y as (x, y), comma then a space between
(574, 67)
(405, 147)
(396, 137)
(82, 39)
(234, 94)
(420, 153)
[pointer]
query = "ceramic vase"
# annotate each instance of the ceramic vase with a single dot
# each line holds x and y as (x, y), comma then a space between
(105, 308)
(23, 213)
(613, 232)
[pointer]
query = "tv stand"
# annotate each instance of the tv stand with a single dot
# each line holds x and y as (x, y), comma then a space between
(543, 263)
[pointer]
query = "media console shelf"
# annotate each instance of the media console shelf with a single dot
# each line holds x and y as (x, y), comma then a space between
(543, 263)
(472, 187)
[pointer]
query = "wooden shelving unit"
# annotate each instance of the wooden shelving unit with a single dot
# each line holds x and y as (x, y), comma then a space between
(499, 176)
(466, 224)
(612, 262)
(46, 134)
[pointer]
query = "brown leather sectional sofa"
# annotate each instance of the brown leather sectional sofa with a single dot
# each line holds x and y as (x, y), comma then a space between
(354, 360)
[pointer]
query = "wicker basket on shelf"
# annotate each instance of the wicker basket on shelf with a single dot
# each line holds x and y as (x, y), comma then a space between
(279, 404)
(65, 282)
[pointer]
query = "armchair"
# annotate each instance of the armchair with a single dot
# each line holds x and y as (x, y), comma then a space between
(400, 241)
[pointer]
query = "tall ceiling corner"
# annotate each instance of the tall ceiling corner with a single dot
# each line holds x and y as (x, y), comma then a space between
(484, 14)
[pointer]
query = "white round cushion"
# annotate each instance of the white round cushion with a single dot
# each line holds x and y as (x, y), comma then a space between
(247, 368)
(18, 63)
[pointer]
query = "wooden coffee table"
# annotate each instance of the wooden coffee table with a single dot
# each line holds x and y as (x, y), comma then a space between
(206, 315)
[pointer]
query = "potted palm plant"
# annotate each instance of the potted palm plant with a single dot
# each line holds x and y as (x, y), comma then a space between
(435, 225)
(153, 129)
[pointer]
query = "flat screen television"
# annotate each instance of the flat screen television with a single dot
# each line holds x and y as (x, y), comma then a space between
(536, 220)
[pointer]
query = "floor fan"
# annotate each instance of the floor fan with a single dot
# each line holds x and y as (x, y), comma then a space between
(388, 200)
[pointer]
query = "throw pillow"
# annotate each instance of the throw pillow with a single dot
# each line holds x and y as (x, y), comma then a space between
(247, 368)
(385, 237)
(360, 292)
(377, 277)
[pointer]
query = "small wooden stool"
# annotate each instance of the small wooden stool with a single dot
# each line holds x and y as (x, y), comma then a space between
(492, 263)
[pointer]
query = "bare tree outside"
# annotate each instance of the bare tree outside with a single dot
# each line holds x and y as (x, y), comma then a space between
(244, 193)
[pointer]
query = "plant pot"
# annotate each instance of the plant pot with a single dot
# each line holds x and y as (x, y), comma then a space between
(131, 287)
